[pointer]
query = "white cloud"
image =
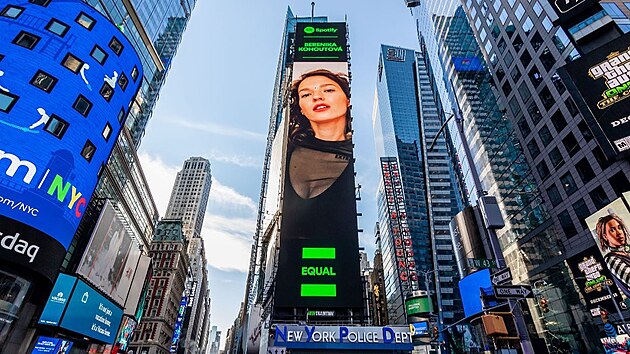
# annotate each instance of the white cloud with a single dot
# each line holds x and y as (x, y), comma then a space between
(226, 197)
(160, 177)
(228, 242)
(217, 129)
(238, 160)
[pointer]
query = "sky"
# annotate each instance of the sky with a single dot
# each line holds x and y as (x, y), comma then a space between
(216, 103)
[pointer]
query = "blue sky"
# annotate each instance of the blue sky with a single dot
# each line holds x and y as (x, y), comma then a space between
(216, 104)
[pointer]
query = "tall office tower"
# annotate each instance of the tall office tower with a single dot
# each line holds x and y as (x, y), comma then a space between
(215, 340)
(169, 256)
(155, 29)
(189, 197)
(419, 192)
(562, 176)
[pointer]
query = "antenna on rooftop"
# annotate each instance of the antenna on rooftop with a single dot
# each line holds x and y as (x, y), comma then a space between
(312, 10)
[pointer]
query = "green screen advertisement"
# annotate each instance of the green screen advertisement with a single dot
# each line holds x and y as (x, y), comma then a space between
(418, 305)
(321, 42)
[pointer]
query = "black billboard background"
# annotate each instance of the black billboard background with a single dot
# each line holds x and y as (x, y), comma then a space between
(328, 220)
(606, 118)
(590, 273)
(571, 12)
(326, 43)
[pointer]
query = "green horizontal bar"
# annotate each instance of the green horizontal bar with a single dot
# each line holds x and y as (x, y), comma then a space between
(319, 290)
(318, 253)
(305, 57)
(321, 36)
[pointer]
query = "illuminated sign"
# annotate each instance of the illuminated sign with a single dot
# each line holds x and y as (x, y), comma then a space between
(398, 226)
(321, 42)
(343, 337)
(418, 305)
(318, 264)
(46, 345)
(599, 82)
(61, 111)
(181, 313)
(471, 288)
(419, 329)
(58, 300)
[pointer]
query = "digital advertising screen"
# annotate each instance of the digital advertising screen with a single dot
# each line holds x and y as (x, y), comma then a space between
(181, 313)
(318, 264)
(63, 102)
(126, 332)
(48, 345)
(91, 314)
(470, 288)
(609, 227)
(111, 257)
(599, 81)
(58, 300)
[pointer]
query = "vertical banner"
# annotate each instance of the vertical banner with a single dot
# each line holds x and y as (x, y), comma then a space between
(319, 251)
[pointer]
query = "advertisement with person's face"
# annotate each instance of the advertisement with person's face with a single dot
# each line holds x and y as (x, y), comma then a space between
(111, 257)
(609, 228)
(318, 263)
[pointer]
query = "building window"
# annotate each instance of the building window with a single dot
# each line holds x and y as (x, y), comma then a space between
(72, 63)
(107, 131)
(554, 195)
(546, 98)
(26, 40)
(99, 54)
(556, 158)
(40, 2)
(558, 121)
(547, 59)
(619, 183)
(612, 10)
(12, 11)
(534, 112)
(88, 151)
(523, 125)
(585, 130)
(568, 183)
(57, 27)
(123, 81)
(107, 92)
(584, 170)
(567, 224)
(533, 148)
(535, 77)
(134, 74)
(599, 197)
(543, 170)
(571, 106)
(56, 126)
(571, 144)
(121, 115)
(526, 58)
(7, 101)
(581, 211)
(545, 135)
(116, 46)
(82, 105)
(44, 81)
(86, 21)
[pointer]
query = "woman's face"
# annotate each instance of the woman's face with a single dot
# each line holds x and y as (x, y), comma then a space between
(322, 100)
(614, 234)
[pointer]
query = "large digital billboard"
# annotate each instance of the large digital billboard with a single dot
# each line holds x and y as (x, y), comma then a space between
(318, 264)
(76, 306)
(593, 279)
(471, 288)
(111, 257)
(609, 227)
(66, 82)
(48, 345)
(181, 313)
(600, 83)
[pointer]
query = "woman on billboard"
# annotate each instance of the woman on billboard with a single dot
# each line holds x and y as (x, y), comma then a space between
(613, 238)
(320, 133)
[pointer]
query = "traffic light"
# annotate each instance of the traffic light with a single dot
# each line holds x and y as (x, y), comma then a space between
(604, 315)
(436, 332)
(544, 305)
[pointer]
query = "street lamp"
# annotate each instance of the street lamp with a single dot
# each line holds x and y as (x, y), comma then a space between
(521, 328)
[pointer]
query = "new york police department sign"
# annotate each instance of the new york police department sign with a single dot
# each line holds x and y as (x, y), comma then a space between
(343, 337)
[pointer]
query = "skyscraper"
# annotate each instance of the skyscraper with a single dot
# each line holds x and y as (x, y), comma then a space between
(419, 192)
(188, 203)
(538, 153)
(189, 197)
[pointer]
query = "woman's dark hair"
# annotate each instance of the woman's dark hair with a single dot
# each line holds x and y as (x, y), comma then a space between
(299, 126)
(600, 228)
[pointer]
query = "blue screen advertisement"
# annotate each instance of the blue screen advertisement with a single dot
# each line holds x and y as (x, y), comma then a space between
(470, 290)
(47, 345)
(58, 300)
(91, 314)
(58, 126)
(181, 312)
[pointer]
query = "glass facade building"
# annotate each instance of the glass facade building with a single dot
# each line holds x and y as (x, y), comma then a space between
(532, 148)
(407, 118)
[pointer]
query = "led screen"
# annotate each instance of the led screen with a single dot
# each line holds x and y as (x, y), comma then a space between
(47, 345)
(111, 257)
(91, 314)
(318, 262)
(58, 300)
(470, 288)
(63, 101)
(600, 83)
